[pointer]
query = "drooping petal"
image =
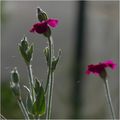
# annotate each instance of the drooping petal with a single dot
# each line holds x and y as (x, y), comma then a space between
(52, 22)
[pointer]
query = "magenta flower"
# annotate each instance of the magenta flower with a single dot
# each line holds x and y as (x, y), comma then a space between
(41, 27)
(97, 69)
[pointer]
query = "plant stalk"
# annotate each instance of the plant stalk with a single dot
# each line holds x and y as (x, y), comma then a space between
(50, 79)
(22, 107)
(31, 82)
(107, 91)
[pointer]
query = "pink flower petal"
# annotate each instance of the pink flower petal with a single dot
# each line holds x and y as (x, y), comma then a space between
(98, 68)
(40, 27)
(87, 72)
(32, 30)
(52, 22)
(111, 64)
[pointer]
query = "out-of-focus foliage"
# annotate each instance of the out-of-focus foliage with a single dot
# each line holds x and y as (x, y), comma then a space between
(2, 11)
(9, 106)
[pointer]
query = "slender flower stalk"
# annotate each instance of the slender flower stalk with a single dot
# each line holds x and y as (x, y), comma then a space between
(51, 78)
(49, 65)
(22, 107)
(50, 97)
(44, 27)
(15, 86)
(29, 67)
(48, 77)
(108, 96)
(100, 70)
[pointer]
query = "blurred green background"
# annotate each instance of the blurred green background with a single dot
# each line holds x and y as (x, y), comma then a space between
(88, 32)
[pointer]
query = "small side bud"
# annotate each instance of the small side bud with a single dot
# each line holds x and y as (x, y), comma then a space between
(24, 43)
(55, 60)
(15, 76)
(16, 90)
(41, 15)
(46, 53)
(26, 50)
(14, 84)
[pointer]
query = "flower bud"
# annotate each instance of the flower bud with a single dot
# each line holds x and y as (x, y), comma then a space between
(16, 90)
(24, 43)
(15, 76)
(46, 53)
(55, 60)
(26, 50)
(41, 15)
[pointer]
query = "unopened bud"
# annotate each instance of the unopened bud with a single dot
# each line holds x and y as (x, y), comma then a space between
(16, 90)
(46, 52)
(55, 60)
(15, 76)
(41, 14)
(24, 43)
(26, 50)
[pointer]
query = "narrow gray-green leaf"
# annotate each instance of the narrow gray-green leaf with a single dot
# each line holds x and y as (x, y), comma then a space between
(37, 86)
(29, 104)
(39, 105)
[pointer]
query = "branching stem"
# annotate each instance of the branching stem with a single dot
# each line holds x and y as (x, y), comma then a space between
(31, 82)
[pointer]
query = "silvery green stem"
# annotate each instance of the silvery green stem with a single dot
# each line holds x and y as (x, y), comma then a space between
(107, 90)
(51, 79)
(48, 78)
(22, 107)
(31, 82)
(50, 95)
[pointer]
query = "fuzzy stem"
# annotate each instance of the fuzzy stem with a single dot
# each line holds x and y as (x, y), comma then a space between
(22, 107)
(50, 95)
(48, 77)
(107, 90)
(51, 79)
(31, 82)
